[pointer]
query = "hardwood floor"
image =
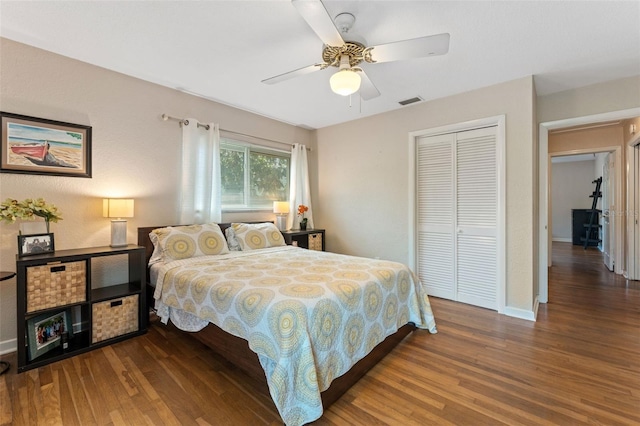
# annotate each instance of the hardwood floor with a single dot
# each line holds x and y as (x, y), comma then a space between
(578, 364)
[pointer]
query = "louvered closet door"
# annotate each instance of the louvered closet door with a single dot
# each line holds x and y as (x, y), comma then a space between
(476, 196)
(457, 216)
(435, 202)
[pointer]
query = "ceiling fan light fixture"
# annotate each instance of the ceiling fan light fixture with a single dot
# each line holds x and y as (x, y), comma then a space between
(345, 82)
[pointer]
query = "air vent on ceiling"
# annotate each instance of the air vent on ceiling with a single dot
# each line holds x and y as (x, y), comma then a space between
(410, 101)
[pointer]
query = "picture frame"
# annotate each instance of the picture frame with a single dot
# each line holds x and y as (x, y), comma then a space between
(31, 245)
(45, 332)
(38, 146)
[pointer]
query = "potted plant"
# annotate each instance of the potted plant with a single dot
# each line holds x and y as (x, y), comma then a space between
(12, 210)
(303, 221)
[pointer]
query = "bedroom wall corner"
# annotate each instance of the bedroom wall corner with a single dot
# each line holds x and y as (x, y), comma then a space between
(535, 197)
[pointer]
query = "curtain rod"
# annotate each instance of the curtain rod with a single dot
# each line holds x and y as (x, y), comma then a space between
(166, 117)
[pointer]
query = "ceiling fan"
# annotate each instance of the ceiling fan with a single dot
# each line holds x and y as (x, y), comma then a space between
(346, 51)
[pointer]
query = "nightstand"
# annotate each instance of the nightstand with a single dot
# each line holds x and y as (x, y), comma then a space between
(312, 239)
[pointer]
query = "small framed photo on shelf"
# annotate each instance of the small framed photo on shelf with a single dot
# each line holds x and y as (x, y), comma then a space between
(46, 332)
(29, 245)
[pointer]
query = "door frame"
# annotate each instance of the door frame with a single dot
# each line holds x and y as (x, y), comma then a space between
(633, 207)
(498, 121)
(608, 236)
(544, 233)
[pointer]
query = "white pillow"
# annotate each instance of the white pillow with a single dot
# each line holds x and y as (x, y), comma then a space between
(257, 236)
(182, 242)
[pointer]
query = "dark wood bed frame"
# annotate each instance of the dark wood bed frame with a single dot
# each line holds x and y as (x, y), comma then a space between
(236, 350)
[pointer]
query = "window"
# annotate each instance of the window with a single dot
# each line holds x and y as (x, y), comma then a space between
(252, 177)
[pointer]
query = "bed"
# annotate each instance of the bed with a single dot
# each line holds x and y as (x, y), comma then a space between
(310, 323)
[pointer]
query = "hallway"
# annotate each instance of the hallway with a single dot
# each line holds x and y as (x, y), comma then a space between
(579, 276)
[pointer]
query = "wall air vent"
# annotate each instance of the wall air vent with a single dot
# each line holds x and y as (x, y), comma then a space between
(410, 101)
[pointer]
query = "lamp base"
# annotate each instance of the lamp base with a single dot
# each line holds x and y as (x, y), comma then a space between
(281, 222)
(118, 233)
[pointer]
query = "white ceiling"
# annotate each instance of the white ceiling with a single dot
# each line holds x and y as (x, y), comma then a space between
(221, 50)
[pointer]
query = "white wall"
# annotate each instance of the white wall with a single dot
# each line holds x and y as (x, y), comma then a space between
(135, 153)
(363, 178)
(570, 189)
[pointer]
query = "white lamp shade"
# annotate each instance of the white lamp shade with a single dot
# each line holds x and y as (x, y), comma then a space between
(345, 82)
(281, 207)
(117, 207)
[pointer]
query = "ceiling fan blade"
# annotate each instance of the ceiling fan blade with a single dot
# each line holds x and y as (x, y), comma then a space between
(292, 74)
(316, 15)
(414, 48)
(367, 89)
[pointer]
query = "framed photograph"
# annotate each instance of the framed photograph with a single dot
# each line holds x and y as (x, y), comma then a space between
(29, 245)
(45, 332)
(44, 147)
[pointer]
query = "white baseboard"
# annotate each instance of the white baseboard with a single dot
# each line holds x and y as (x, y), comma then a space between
(562, 240)
(522, 313)
(8, 346)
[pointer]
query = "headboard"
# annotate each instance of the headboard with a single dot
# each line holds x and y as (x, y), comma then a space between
(145, 241)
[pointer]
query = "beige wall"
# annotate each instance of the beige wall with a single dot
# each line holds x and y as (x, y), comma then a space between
(616, 95)
(586, 139)
(135, 153)
(363, 178)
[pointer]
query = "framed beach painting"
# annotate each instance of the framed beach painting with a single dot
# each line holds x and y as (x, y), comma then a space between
(44, 147)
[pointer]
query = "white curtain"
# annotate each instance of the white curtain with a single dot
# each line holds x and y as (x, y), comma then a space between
(299, 192)
(200, 195)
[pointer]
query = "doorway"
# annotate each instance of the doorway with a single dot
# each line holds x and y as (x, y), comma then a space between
(582, 205)
(544, 236)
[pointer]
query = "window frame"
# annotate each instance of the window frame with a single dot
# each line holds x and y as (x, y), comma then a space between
(247, 148)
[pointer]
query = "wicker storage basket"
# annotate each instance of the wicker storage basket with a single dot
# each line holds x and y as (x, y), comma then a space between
(315, 241)
(56, 284)
(115, 317)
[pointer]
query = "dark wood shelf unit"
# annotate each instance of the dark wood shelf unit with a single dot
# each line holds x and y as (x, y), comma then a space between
(81, 311)
(579, 223)
(308, 238)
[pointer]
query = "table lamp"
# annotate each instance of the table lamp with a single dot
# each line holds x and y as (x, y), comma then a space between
(118, 208)
(281, 209)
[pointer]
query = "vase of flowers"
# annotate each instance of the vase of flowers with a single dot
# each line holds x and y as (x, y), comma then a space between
(12, 210)
(302, 209)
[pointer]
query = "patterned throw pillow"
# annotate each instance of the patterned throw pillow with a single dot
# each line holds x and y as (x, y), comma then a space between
(232, 241)
(183, 242)
(257, 236)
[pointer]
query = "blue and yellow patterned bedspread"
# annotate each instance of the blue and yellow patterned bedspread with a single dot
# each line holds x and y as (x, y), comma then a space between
(309, 315)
